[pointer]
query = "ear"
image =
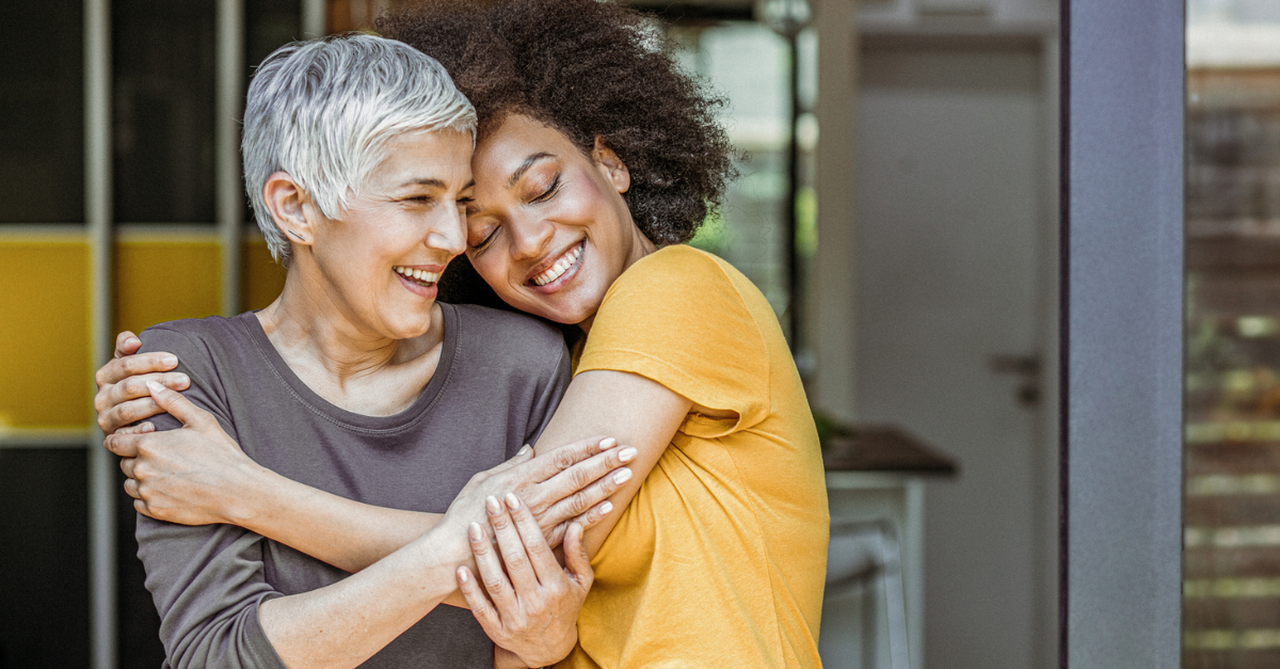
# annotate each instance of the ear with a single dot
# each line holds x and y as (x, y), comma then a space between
(289, 205)
(611, 166)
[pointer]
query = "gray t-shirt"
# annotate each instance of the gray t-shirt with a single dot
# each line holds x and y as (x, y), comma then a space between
(499, 379)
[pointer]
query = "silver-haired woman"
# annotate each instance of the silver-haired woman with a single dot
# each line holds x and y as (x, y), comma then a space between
(356, 382)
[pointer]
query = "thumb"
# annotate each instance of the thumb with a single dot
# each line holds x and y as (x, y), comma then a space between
(576, 560)
(178, 406)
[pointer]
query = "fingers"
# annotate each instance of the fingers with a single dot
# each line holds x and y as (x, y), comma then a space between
(131, 488)
(178, 406)
(127, 343)
(570, 501)
(576, 561)
(123, 445)
(140, 428)
(565, 457)
(545, 566)
(120, 416)
(510, 545)
(118, 369)
(477, 601)
(489, 568)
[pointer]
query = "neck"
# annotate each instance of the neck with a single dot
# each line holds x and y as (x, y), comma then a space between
(641, 246)
(314, 332)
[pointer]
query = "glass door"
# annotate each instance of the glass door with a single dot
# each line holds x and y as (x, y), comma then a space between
(1231, 588)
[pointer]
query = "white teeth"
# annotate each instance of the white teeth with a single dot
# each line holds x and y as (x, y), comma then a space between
(418, 275)
(557, 270)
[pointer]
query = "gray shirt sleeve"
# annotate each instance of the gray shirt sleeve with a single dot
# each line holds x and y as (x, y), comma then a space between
(207, 581)
(541, 412)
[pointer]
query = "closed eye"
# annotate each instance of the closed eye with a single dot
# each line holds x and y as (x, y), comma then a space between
(550, 191)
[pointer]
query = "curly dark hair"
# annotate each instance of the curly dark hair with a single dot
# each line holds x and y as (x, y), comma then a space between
(589, 69)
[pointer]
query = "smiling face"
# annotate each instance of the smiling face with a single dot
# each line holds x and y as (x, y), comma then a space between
(549, 230)
(377, 262)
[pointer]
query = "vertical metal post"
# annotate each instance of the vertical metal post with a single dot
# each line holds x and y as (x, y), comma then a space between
(1123, 335)
(795, 300)
(98, 214)
(315, 23)
(833, 274)
(230, 106)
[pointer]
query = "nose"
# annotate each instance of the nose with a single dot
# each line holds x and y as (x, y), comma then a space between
(530, 237)
(449, 235)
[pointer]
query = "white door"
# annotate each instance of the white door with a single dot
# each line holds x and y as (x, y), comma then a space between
(953, 235)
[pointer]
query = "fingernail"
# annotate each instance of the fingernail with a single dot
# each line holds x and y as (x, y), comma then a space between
(183, 380)
(171, 360)
(608, 443)
(524, 449)
(513, 502)
(606, 507)
(622, 476)
(492, 505)
(474, 531)
(132, 340)
(154, 387)
(462, 575)
(627, 454)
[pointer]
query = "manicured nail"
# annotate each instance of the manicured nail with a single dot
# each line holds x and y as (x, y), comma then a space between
(170, 360)
(524, 449)
(627, 454)
(606, 507)
(513, 502)
(462, 575)
(132, 340)
(622, 476)
(154, 387)
(608, 443)
(492, 505)
(474, 531)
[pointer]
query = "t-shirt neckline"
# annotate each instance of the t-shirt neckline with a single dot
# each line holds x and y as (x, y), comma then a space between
(336, 414)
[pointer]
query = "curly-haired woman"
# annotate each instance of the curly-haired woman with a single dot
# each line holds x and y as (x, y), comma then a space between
(596, 159)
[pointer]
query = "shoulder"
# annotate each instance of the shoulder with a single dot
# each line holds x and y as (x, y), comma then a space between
(193, 339)
(680, 282)
(680, 264)
(494, 336)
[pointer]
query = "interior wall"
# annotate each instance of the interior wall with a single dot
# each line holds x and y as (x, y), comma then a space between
(952, 225)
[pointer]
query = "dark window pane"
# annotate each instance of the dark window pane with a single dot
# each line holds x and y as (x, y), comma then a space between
(42, 112)
(44, 553)
(164, 59)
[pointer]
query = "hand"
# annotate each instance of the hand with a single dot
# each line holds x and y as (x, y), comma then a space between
(531, 610)
(192, 476)
(122, 396)
(570, 483)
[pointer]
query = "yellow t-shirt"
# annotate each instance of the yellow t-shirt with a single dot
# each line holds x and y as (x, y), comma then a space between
(719, 560)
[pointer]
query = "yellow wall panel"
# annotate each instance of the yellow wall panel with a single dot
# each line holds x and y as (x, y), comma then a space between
(262, 278)
(163, 279)
(44, 333)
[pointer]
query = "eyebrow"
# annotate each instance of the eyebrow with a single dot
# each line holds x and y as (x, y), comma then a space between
(524, 167)
(434, 183)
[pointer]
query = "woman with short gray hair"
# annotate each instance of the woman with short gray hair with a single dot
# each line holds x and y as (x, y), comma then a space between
(358, 383)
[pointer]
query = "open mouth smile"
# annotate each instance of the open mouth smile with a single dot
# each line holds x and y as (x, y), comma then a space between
(562, 265)
(419, 276)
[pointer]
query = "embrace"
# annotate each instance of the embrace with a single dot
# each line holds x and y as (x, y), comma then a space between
(333, 481)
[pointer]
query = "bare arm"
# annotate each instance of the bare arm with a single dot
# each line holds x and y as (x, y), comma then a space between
(636, 410)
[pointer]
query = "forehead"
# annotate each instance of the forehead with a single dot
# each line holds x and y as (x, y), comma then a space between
(436, 154)
(504, 149)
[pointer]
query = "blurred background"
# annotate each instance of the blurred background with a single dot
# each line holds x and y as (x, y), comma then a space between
(898, 207)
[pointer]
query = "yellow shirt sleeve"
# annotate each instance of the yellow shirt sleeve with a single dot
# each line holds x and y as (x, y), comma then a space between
(677, 317)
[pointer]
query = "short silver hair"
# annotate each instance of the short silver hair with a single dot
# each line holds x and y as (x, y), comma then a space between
(324, 110)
